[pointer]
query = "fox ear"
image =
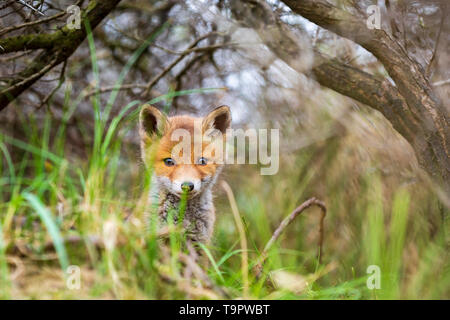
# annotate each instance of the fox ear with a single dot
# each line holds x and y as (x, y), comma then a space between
(152, 122)
(219, 118)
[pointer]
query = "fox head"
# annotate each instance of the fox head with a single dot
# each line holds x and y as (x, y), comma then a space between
(185, 152)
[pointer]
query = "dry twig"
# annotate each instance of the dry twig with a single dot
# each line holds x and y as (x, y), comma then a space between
(175, 62)
(60, 82)
(257, 269)
(31, 23)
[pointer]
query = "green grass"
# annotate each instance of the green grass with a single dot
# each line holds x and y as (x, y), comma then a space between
(47, 194)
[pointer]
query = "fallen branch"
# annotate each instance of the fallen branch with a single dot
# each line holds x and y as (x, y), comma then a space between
(243, 239)
(257, 269)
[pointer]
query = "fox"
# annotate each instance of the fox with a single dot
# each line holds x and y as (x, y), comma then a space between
(191, 171)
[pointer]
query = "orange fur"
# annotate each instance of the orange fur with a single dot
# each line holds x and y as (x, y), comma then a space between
(183, 173)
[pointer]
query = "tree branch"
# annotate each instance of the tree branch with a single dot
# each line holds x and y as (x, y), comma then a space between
(58, 46)
(31, 23)
(431, 143)
(182, 55)
(28, 42)
(366, 88)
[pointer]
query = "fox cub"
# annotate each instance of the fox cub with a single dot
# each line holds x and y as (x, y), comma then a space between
(189, 170)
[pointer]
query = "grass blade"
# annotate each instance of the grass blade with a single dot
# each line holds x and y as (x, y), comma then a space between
(52, 228)
(214, 264)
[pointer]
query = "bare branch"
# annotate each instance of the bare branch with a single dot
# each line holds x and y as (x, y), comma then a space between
(60, 82)
(436, 43)
(152, 82)
(441, 83)
(106, 89)
(257, 269)
(30, 7)
(31, 23)
(366, 88)
(59, 47)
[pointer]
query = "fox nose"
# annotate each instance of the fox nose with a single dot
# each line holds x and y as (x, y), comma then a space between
(187, 185)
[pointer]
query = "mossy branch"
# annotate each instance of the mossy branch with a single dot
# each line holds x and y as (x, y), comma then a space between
(28, 42)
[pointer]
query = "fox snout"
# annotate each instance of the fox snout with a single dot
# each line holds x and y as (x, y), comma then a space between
(187, 186)
(190, 187)
(186, 178)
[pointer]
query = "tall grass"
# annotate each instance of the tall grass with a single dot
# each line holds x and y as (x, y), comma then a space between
(47, 195)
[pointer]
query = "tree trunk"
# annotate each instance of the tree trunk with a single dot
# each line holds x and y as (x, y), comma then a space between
(412, 106)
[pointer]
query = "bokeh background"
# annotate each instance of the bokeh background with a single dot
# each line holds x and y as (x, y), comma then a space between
(65, 160)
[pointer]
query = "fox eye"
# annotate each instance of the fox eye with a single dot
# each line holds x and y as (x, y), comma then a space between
(202, 161)
(169, 162)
